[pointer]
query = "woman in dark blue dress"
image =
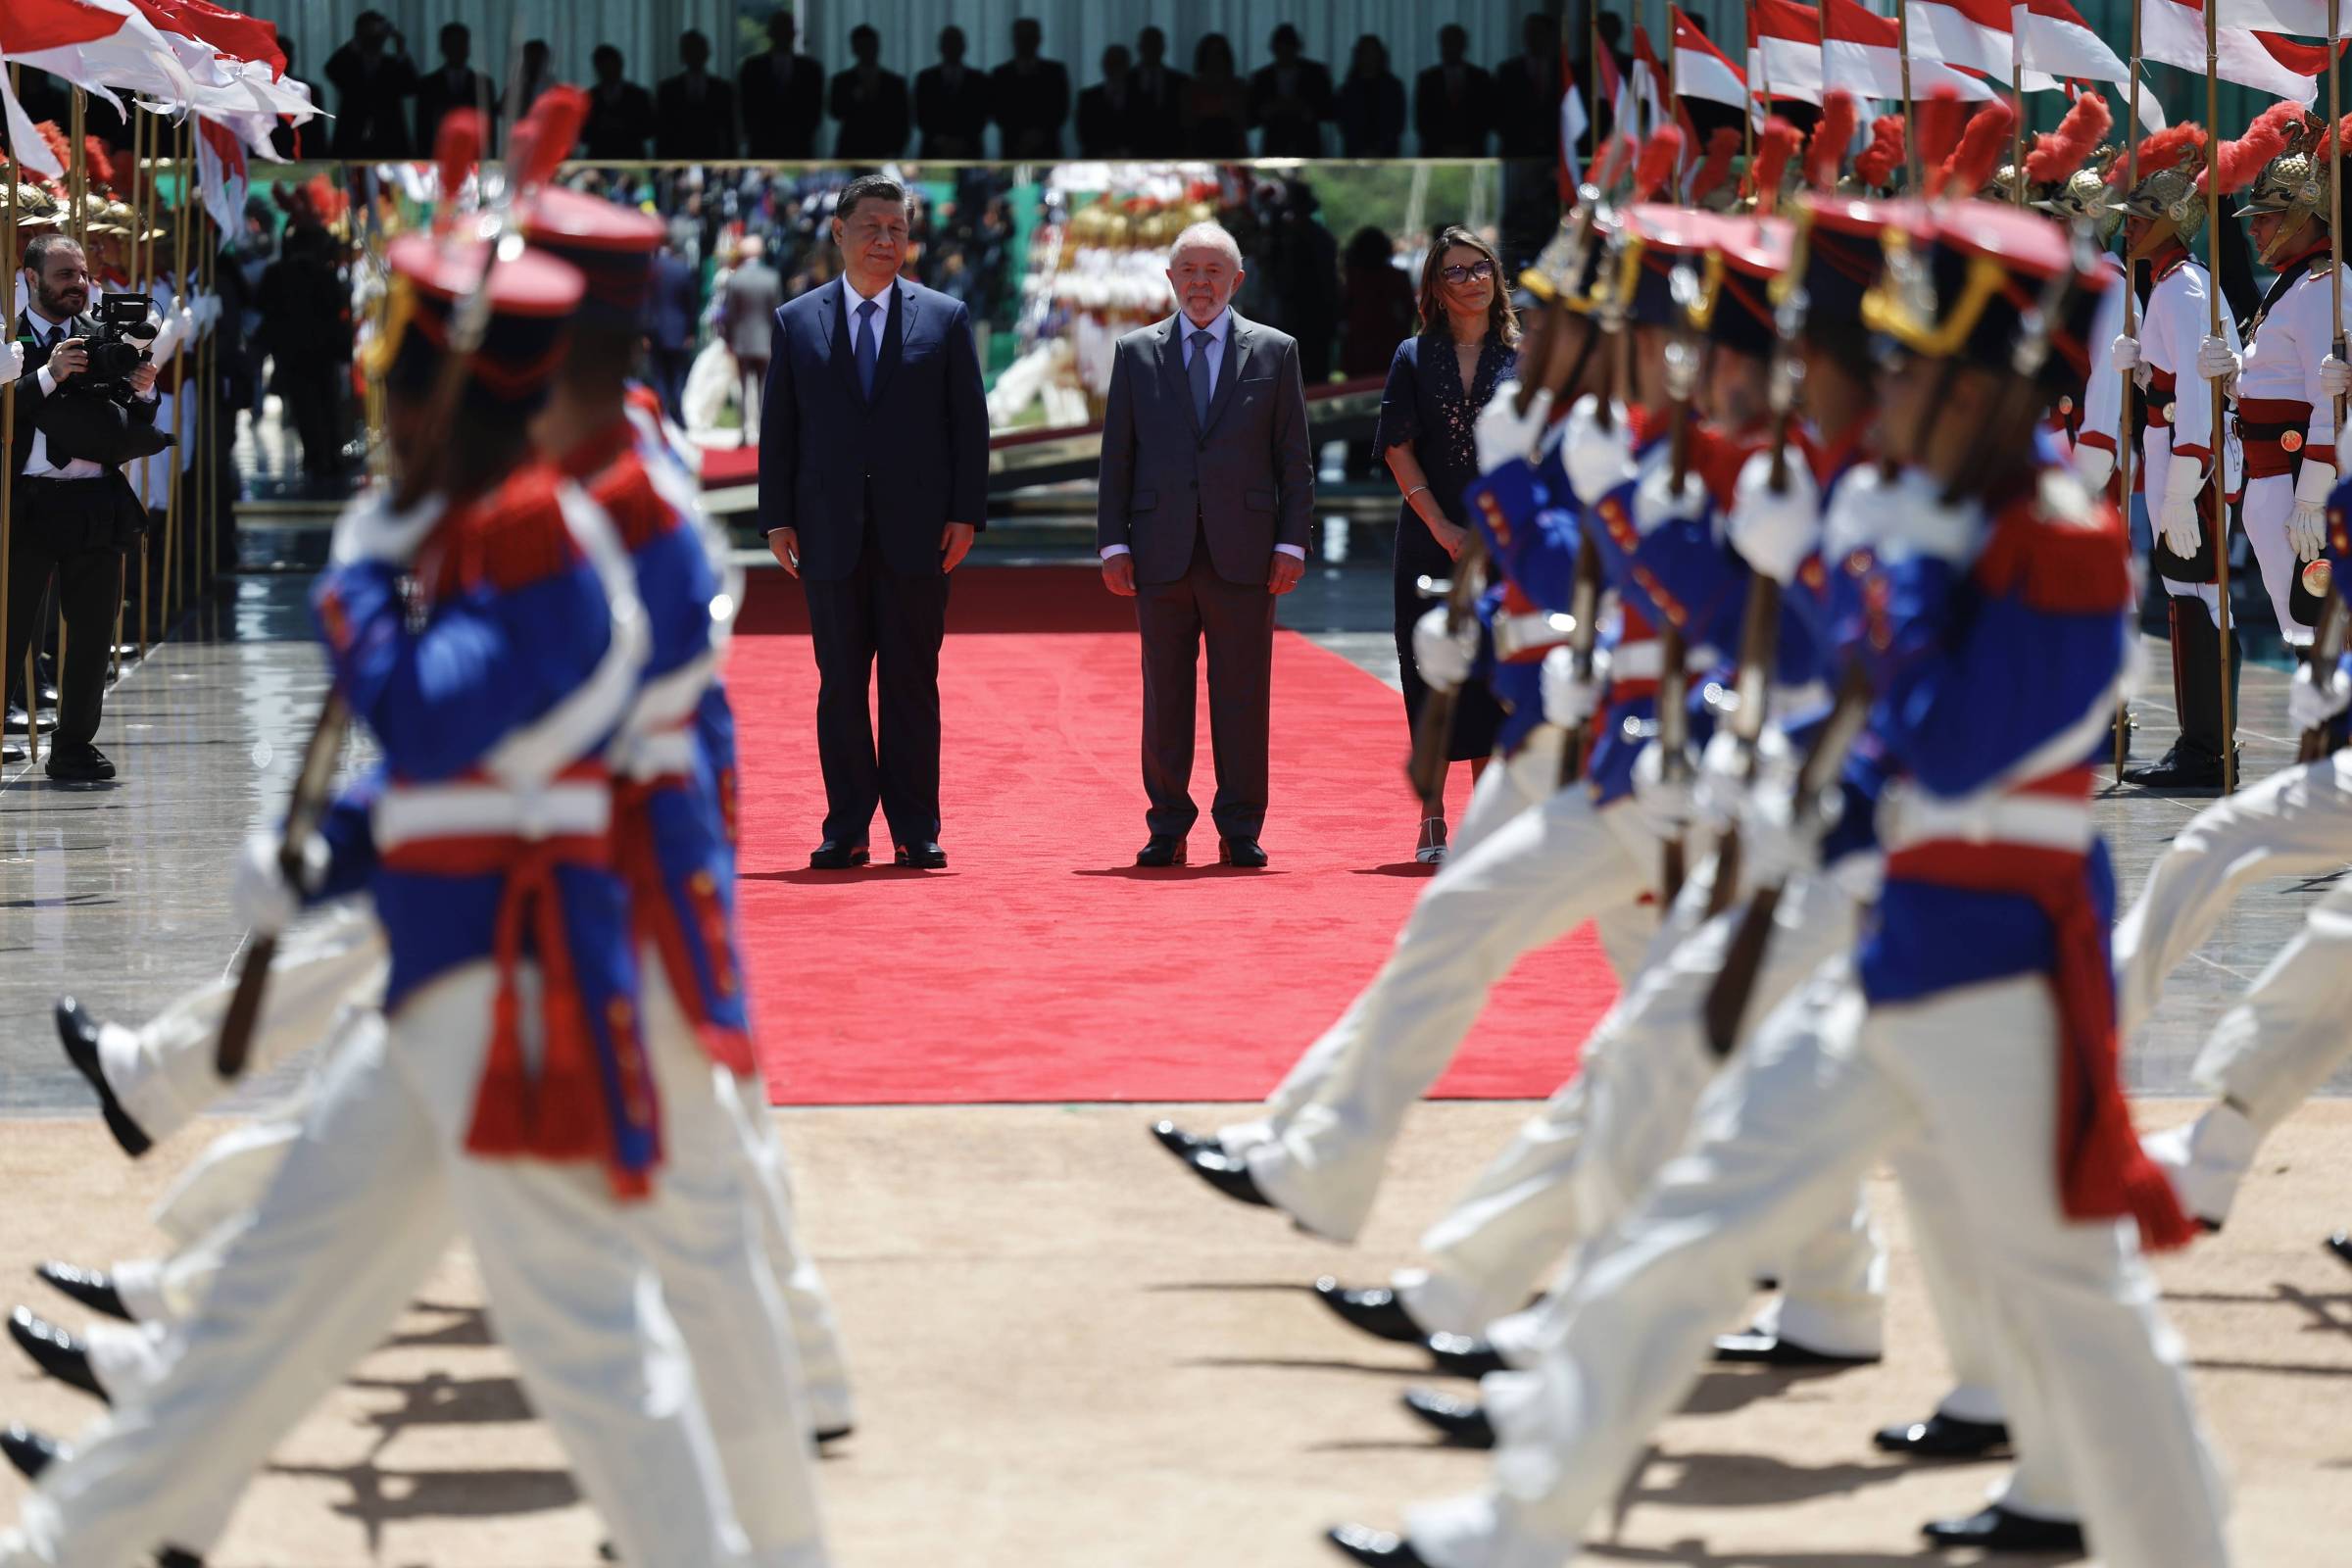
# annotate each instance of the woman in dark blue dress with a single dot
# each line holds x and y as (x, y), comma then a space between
(1438, 384)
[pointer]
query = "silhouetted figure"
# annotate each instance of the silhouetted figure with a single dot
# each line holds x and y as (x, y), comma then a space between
(372, 77)
(1454, 101)
(1029, 97)
(1527, 93)
(1290, 99)
(1217, 103)
(1158, 97)
(455, 84)
(1372, 125)
(869, 103)
(1107, 125)
(783, 96)
(538, 74)
(950, 102)
(309, 139)
(670, 300)
(620, 114)
(694, 110)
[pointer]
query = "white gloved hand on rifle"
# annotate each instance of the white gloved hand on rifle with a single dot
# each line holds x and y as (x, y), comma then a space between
(2335, 377)
(1664, 804)
(2094, 465)
(1444, 657)
(1597, 460)
(2123, 355)
(1774, 532)
(2177, 516)
(1503, 432)
(2307, 525)
(2217, 361)
(1570, 702)
(260, 896)
(2312, 701)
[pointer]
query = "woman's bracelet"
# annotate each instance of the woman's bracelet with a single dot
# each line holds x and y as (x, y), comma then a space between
(1419, 489)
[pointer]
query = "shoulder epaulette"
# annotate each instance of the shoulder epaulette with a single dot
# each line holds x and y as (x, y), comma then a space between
(626, 492)
(516, 535)
(2059, 550)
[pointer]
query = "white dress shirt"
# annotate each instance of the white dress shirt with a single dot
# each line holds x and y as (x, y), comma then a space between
(36, 460)
(881, 318)
(1215, 350)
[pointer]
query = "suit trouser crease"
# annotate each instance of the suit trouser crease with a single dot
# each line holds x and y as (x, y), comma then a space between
(1237, 622)
(877, 629)
(88, 588)
(1781, 1139)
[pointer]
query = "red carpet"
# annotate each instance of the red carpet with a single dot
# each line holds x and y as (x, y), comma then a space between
(1043, 966)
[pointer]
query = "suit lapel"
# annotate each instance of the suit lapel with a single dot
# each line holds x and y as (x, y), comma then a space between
(1237, 352)
(1171, 371)
(897, 333)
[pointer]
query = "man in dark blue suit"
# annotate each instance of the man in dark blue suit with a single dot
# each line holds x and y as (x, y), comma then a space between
(670, 319)
(873, 467)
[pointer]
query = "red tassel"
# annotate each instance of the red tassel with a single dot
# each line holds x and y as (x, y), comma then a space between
(1775, 144)
(1972, 162)
(1825, 155)
(2244, 158)
(2173, 144)
(2057, 154)
(1939, 120)
(1716, 167)
(1660, 156)
(1875, 165)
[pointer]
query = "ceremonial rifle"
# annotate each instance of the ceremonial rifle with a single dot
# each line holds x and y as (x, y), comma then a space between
(537, 146)
(2326, 649)
(1434, 739)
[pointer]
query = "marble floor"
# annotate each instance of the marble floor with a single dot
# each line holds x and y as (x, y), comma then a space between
(117, 892)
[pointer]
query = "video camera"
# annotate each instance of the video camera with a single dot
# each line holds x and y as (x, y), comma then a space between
(126, 328)
(90, 417)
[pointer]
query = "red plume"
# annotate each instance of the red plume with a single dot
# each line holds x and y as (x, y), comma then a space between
(1614, 162)
(98, 162)
(2336, 138)
(58, 146)
(1659, 157)
(2265, 139)
(1825, 155)
(1939, 120)
(1775, 144)
(1980, 151)
(2057, 154)
(457, 148)
(1876, 164)
(547, 133)
(1722, 143)
(2173, 144)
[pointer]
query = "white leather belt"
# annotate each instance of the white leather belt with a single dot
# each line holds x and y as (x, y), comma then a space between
(2049, 822)
(1646, 660)
(409, 813)
(657, 756)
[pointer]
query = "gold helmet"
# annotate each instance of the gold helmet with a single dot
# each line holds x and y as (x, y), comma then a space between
(2167, 197)
(2003, 185)
(2081, 198)
(2294, 183)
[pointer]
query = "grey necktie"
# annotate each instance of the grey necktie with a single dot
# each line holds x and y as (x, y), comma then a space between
(1200, 376)
(869, 349)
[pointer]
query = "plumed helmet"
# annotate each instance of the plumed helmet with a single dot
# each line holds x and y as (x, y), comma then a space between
(2294, 183)
(2082, 197)
(2171, 196)
(2166, 195)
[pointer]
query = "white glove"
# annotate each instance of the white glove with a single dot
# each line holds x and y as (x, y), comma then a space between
(1597, 460)
(1775, 846)
(1444, 658)
(2335, 377)
(165, 336)
(1911, 518)
(2312, 701)
(259, 895)
(2096, 465)
(1774, 533)
(1503, 432)
(1665, 805)
(12, 360)
(1567, 701)
(2217, 361)
(2177, 517)
(1656, 502)
(1861, 875)
(2307, 527)
(2123, 355)
(1722, 781)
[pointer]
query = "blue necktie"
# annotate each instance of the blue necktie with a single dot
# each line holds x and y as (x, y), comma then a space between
(870, 347)
(1200, 375)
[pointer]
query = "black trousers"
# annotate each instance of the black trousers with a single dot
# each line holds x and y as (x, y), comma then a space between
(89, 585)
(876, 622)
(1237, 622)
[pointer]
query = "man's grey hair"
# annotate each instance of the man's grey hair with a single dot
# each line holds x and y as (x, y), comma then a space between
(1210, 233)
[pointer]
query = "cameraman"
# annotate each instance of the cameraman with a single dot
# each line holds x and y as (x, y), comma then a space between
(73, 517)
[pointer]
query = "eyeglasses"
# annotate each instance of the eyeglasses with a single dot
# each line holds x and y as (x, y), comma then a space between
(1481, 271)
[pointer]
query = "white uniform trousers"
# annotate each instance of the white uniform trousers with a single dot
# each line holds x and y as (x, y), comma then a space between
(1594, 1148)
(2269, 503)
(2296, 823)
(1528, 882)
(2288, 1033)
(1780, 1141)
(354, 1219)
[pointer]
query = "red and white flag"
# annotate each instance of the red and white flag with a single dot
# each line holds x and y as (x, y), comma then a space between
(221, 174)
(1861, 52)
(238, 64)
(2053, 38)
(1574, 122)
(2174, 31)
(97, 45)
(31, 148)
(1641, 97)
(1702, 70)
(1783, 49)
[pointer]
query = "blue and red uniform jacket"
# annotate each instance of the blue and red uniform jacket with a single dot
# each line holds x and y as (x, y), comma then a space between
(1528, 520)
(478, 644)
(673, 761)
(1994, 678)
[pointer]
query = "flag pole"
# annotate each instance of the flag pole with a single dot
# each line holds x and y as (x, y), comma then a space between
(8, 418)
(1902, 27)
(2335, 202)
(2213, 327)
(142, 267)
(2017, 124)
(2125, 443)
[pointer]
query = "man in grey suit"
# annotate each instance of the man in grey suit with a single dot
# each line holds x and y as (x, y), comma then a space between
(748, 319)
(1207, 496)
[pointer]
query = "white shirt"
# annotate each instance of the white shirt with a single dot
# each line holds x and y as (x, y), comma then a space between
(36, 460)
(1217, 331)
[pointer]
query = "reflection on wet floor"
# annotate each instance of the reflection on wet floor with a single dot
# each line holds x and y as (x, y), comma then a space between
(119, 892)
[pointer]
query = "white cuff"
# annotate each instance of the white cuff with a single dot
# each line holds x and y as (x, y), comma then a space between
(1110, 551)
(2312, 482)
(1295, 552)
(48, 382)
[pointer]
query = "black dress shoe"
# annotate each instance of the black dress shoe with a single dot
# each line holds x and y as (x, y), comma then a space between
(1462, 1423)
(78, 1031)
(1376, 1312)
(79, 764)
(1243, 853)
(833, 855)
(1229, 1176)
(54, 1350)
(29, 1450)
(1183, 1145)
(1770, 1350)
(2185, 769)
(1461, 1356)
(1943, 1436)
(924, 857)
(1363, 1544)
(834, 1434)
(2341, 1243)
(1159, 849)
(1999, 1528)
(92, 1289)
